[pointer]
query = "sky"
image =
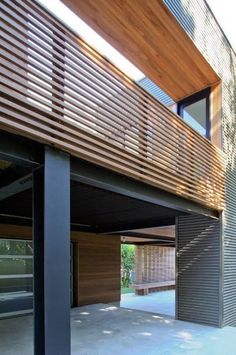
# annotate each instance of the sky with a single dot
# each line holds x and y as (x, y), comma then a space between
(93, 38)
(224, 12)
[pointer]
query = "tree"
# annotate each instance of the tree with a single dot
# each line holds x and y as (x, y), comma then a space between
(127, 263)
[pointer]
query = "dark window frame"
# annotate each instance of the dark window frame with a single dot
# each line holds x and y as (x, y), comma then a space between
(204, 94)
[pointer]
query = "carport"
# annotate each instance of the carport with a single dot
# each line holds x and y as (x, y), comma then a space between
(87, 155)
(101, 202)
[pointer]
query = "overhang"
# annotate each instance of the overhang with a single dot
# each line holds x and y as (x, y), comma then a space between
(148, 34)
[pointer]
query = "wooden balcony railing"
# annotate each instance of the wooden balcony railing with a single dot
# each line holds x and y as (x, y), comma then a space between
(57, 90)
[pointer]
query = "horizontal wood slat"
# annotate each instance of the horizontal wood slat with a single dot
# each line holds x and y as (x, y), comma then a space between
(97, 268)
(57, 90)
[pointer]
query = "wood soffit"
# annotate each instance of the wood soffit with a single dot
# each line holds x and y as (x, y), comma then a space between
(148, 34)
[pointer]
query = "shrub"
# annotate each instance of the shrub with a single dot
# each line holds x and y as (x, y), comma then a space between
(127, 263)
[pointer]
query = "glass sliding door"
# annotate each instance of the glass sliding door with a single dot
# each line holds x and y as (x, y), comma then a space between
(16, 277)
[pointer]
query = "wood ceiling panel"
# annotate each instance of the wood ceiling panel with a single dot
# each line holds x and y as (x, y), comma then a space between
(148, 35)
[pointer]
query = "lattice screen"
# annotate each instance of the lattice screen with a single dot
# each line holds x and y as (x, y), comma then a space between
(154, 263)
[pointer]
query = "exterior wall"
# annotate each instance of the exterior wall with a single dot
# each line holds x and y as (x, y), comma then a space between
(154, 263)
(15, 232)
(98, 269)
(203, 29)
(97, 264)
(198, 286)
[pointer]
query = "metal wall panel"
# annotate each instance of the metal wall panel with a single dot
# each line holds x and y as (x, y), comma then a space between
(155, 91)
(198, 270)
(201, 25)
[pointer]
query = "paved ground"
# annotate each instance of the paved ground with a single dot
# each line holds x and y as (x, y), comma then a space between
(157, 302)
(107, 330)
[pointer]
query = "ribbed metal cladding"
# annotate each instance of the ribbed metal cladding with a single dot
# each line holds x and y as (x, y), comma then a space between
(198, 265)
(229, 290)
(202, 27)
(155, 91)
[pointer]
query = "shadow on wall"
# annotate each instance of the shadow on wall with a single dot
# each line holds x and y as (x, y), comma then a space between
(230, 124)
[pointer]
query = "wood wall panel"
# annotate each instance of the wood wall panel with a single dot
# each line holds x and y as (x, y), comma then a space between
(14, 231)
(96, 264)
(216, 115)
(99, 269)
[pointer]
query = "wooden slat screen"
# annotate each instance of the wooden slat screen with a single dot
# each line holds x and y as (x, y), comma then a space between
(154, 263)
(57, 90)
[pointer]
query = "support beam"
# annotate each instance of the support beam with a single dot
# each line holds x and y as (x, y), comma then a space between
(163, 244)
(20, 151)
(15, 220)
(125, 226)
(147, 236)
(154, 242)
(102, 178)
(51, 235)
(16, 187)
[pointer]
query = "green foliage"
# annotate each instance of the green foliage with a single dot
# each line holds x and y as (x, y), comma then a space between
(15, 247)
(125, 290)
(127, 263)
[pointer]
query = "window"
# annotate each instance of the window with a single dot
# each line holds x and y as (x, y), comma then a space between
(195, 111)
(16, 276)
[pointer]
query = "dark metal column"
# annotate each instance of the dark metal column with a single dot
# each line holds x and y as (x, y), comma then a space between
(51, 229)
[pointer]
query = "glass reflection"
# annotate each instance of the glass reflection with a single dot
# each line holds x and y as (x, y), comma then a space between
(16, 276)
(195, 115)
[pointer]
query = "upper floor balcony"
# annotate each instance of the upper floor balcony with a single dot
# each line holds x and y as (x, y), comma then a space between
(57, 90)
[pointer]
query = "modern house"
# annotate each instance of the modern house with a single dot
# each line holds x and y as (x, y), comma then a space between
(88, 155)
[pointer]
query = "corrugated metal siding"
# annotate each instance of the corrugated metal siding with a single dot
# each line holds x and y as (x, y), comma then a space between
(198, 270)
(155, 91)
(229, 289)
(202, 27)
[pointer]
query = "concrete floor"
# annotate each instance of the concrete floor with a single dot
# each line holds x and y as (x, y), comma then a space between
(157, 302)
(104, 330)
